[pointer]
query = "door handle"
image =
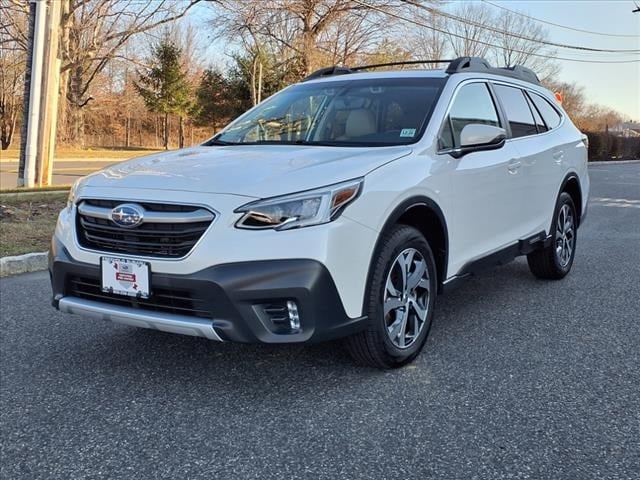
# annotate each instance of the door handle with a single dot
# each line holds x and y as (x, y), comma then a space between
(558, 156)
(513, 166)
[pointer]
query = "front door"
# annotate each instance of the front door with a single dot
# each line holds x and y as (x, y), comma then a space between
(486, 185)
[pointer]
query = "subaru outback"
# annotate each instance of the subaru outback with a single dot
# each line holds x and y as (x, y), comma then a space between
(339, 207)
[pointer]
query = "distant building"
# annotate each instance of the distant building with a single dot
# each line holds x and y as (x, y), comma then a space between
(626, 129)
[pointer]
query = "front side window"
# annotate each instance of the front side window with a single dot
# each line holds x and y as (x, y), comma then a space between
(551, 116)
(517, 110)
(472, 104)
(371, 112)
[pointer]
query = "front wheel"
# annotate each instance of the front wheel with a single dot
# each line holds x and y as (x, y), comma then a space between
(555, 261)
(400, 301)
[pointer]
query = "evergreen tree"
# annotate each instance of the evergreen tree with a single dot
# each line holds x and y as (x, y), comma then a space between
(164, 87)
(216, 100)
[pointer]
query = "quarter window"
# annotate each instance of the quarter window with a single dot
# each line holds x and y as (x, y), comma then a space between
(551, 116)
(517, 109)
(472, 104)
(536, 115)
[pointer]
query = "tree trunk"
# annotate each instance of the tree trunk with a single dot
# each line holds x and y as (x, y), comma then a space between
(76, 104)
(181, 133)
(66, 23)
(127, 132)
(260, 82)
(166, 132)
(26, 100)
(254, 95)
(309, 50)
(8, 125)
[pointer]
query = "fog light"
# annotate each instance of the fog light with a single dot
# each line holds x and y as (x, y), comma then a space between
(294, 317)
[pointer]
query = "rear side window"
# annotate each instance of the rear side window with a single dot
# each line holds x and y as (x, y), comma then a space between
(472, 104)
(551, 116)
(517, 109)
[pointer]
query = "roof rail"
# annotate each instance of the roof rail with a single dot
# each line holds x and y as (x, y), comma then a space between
(338, 70)
(328, 72)
(459, 65)
(406, 62)
(480, 65)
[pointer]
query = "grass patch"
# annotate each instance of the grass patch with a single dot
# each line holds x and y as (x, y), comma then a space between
(35, 190)
(27, 222)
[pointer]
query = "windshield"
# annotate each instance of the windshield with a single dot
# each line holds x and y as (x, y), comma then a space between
(369, 112)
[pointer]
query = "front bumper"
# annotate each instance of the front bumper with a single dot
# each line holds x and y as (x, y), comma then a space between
(231, 300)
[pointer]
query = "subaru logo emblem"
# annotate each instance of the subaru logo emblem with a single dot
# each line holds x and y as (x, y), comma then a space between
(127, 215)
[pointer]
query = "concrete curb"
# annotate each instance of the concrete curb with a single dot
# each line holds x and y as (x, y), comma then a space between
(29, 262)
(614, 162)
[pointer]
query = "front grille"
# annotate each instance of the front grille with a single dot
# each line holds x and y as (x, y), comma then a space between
(174, 301)
(168, 230)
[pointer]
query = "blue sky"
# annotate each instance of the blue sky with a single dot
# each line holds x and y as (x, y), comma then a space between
(613, 85)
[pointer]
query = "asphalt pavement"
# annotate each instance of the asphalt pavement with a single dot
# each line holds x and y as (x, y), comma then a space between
(520, 378)
(65, 170)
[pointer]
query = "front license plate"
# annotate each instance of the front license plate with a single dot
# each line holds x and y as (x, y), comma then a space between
(125, 277)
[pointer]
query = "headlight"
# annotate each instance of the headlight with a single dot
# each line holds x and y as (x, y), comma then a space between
(303, 209)
(72, 194)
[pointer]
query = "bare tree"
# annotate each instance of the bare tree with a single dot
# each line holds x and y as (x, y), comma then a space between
(12, 67)
(519, 39)
(430, 44)
(469, 36)
(574, 100)
(13, 24)
(474, 30)
(93, 32)
(313, 31)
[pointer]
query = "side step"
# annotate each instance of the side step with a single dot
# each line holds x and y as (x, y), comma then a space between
(165, 322)
(499, 257)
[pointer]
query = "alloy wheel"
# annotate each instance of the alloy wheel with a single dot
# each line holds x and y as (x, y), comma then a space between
(406, 298)
(565, 235)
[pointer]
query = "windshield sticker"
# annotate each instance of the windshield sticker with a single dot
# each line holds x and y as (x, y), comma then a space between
(407, 132)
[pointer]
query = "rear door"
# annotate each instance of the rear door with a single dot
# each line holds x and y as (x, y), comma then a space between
(486, 185)
(539, 154)
(553, 149)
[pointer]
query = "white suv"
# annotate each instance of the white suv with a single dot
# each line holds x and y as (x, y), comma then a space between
(339, 207)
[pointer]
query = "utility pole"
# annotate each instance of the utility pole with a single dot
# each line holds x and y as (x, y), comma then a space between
(41, 109)
(50, 95)
(33, 112)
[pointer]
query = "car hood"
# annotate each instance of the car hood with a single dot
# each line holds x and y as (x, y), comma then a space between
(257, 171)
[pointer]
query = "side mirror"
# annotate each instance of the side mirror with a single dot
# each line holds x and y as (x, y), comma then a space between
(477, 137)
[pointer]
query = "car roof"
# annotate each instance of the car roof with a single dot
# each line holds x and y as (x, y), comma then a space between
(428, 73)
(413, 73)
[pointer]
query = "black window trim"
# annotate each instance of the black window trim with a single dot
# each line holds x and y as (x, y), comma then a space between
(504, 111)
(526, 91)
(496, 106)
(532, 107)
(530, 93)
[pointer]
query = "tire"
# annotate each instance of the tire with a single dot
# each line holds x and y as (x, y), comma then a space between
(394, 339)
(554, 262)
